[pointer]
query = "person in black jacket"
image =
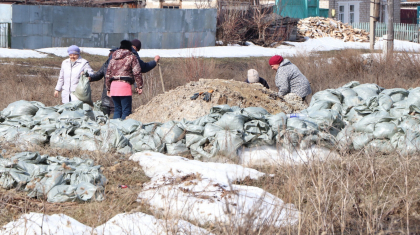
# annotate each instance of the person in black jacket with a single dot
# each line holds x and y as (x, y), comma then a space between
(253, 77)
(107, 106)
(145, 67)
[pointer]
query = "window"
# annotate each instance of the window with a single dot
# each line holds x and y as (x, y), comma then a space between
(170, 7)
(348, 12)
(341, 13)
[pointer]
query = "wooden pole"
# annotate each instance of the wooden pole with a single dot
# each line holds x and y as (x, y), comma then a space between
(161, 78)
(374, 14)
(390, 35)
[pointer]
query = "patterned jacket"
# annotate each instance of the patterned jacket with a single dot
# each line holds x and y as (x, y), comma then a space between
(124, 64)
(289, 79)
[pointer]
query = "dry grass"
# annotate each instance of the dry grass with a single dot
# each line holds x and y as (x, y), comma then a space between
(358, 193)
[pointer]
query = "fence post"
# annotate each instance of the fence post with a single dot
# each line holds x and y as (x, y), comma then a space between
(9, 35)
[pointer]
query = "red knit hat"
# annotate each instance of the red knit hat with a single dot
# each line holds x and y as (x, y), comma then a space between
(277, 59)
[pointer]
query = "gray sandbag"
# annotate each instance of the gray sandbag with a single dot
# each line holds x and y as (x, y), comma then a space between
(230, 121)
(367, 123)
(211, 129)
(190, 128)
(258, 133)
(410, 123)
(413, 97)
(20, 108)
(228, 142)
(143, 143)
(396, 94)
(345, 138)
(384, 130)
(177, 149)
(366, 91)
(44, 112)
(43, 186)
(361, 140)
(32, 138)
(277, 122)
(255, 112)
(202, 121)
(320, 105)
(224, 108)
(383, 146)
(398, 112)
(83, 91)
(385, 102)
(328, 95)
(169, 132)
(200, 149)
(70, 106)
(350, 102)
(111, 138)
(62, 193)
(300, 126)
(59, 139)
(337, 107)
(326, 119)
(351, 84)
(347, 92)
(68, 114)
(86, 191)
(128, 126)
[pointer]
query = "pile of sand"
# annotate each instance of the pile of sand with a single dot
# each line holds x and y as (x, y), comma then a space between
(177, 105)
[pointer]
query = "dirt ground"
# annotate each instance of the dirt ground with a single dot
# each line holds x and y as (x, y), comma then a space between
(177, 105)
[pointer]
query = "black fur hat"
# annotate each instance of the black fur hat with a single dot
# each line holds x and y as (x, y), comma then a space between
(125, 44)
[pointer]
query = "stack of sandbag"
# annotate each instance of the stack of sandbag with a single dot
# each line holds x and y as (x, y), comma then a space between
(319, 27)
(58, 179)
(374, 117)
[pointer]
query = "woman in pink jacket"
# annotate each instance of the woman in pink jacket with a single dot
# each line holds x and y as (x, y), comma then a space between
(70, 72)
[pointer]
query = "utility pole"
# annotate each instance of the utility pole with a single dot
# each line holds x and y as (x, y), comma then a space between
(374, 15)
(390, 36)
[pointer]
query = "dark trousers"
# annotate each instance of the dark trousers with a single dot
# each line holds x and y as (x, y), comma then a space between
(122, 106)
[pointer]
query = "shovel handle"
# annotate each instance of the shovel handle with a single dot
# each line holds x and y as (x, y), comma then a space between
(161, 78)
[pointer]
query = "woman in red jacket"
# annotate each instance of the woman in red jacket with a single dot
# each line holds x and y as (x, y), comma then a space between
(123, 70)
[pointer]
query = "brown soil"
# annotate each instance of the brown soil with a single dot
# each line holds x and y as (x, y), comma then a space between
(177, 105)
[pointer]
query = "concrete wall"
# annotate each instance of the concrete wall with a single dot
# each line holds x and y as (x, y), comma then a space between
(61, 26)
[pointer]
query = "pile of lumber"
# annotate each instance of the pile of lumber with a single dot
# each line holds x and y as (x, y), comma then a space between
(319, 27)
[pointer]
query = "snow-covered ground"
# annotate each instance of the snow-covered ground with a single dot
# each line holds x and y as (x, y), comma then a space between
(207, 192)
(130, 224)
(310, 45)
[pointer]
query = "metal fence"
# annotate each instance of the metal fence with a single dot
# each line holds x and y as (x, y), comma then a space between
(406, 32)
(4, 35)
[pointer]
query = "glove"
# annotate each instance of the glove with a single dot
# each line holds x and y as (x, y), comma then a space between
(86, 74)
(195, 96)
(207, 96)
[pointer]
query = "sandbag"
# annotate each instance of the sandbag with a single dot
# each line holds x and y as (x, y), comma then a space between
(228, 142)
(367, 123)
(360, 140)
(19, 108)
(83, 91)
(351, 84)
(232, 122)
(383, 146)
(365, 91)
(169, 132)
(384, 130)
(396, 94)
(277, 122)
(255, 113)
(177, 149)
(328, 95)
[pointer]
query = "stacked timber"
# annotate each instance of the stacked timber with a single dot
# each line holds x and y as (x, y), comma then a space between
(319, 27)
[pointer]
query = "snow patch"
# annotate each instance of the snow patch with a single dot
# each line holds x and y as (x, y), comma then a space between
(16, 53)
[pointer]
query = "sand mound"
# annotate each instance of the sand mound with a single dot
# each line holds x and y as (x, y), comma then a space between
(177, 105)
